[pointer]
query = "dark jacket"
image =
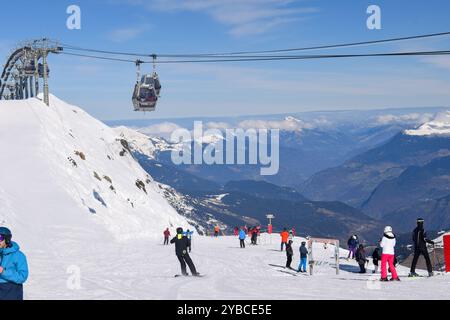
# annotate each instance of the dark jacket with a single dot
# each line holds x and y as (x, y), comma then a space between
(181, 244)
(352, 243)
(303, 251)
(360, 256)
(376, 254)
(289, 250)
(420, 239)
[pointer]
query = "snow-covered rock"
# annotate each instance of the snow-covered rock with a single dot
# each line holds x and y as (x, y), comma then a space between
(439, 126)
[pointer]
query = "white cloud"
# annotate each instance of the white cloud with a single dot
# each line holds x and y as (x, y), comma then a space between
(217, 125)
(289, 124)
(417, 118)
(128, 33)
(243, 17)
(163, 129)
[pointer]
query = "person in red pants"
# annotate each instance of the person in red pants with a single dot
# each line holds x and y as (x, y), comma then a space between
(388, 256)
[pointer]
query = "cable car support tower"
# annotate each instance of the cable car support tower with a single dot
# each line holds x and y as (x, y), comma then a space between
(23, 69)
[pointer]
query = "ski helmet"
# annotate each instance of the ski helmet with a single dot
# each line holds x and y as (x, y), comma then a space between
(6, 233)
(388, 229)
(179, 230)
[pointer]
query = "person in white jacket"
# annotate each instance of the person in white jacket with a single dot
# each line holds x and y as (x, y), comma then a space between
(388, 246)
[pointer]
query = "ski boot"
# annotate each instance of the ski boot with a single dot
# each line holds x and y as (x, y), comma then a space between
(384, 279)
(430, 274)
(395, 279)
(413, 275)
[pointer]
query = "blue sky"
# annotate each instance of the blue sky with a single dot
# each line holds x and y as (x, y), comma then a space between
(185, 26)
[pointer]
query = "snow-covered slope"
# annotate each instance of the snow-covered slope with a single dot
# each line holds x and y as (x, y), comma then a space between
(70, 190)
(439, 126)
(60, 161)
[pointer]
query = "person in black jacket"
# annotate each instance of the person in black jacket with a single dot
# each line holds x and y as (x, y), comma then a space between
(376, 257)
(182, 243)
(361, 258)
(420, 240)
(289, 254)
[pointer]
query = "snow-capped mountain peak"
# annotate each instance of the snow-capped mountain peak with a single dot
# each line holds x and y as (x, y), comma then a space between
(439, 126)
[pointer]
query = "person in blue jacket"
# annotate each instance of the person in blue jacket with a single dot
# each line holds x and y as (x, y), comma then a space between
(13, 267)
(188, 235)
(303, 257)
(242, 236)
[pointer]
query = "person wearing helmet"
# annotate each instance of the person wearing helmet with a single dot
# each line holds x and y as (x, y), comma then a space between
(182, 243)
(303, 257)
(387, 244)
(13, 267)
(419, 237)
(352, 246)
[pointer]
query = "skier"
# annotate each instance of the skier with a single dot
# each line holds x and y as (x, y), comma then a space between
(236, 231)
(293, 231)
(388, 245)
(352, 245)
(181, 246)
(166, 236)
(216, 231)
(420, 239)
(289, 254)
(284, 238)
(13, 267)
(254, 236)
(242, 236)
(188, 235)
(376, 256)
(303, 257)
(361, 258)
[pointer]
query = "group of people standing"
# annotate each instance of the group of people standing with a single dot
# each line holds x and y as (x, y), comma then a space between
(252, 232)
(385, 251)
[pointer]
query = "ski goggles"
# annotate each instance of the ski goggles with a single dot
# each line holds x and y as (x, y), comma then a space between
(2, 237)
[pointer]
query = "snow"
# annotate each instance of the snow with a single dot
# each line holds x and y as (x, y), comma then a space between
(117, 251)
(439, 126)
(230, 273)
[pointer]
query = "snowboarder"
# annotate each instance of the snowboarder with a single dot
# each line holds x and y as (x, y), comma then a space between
(376, 257)
(352, 245)
(181, 250)
(166, 236)
(242, 236)
(13, 267)
(361, 258)
(188, 235)
(289, 254)
(284, 238)
(419, 237)
(388, 246)
(303, 257)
